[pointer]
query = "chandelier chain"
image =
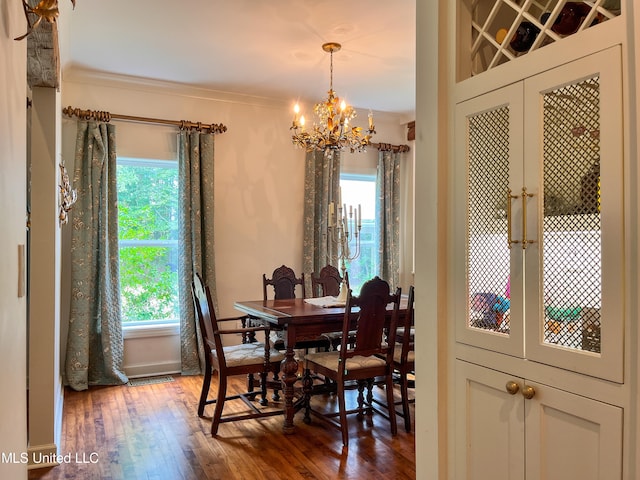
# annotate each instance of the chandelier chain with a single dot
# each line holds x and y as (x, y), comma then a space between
(331, 71)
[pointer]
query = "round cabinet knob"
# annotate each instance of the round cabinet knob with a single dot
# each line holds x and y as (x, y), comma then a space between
(528, 392)
(512, 388)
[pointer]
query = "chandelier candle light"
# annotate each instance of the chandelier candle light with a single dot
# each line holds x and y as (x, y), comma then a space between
(332, 129)
(345, 228)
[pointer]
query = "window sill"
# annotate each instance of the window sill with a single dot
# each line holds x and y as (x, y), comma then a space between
(146, 331)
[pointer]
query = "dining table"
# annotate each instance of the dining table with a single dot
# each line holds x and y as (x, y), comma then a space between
(300, 319)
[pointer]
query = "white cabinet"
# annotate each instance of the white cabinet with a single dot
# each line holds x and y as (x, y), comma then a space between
(539, 275)
(539, 205)
(554, 434)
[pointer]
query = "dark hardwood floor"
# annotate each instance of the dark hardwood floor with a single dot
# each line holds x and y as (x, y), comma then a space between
(153, 432)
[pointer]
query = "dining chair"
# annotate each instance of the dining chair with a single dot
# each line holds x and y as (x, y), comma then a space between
(327, 283)
(362, 361)
(284, 282)
(404, 358)
(243, 359)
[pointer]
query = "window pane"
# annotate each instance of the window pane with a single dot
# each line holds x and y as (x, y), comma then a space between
(148, 201)
(149, 283)
(361, 190)
(148, 231)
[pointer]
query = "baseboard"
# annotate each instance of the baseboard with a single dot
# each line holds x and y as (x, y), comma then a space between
(43, 456)
(151, 369)
(58, 414)
(46, 455)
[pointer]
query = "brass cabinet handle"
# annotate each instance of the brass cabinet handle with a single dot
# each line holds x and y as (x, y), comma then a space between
(510, 241)
(525, 195)
(528, 392)
(512, 387)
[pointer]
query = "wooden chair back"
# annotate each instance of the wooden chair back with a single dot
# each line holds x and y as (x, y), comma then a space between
(371, 320)
(207, 320)
(407, 323)
(284, 281)
(327, 282)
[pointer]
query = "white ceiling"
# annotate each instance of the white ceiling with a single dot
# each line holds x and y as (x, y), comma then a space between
(269, 48)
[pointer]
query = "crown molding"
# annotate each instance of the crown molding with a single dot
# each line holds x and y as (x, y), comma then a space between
(92, 77)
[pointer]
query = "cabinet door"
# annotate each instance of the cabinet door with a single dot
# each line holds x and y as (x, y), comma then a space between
(555, 434)
(569, 436)
(487, 272)
(573, 166)
(489, 425)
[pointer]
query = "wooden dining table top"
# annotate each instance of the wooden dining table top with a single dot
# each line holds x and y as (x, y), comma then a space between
(297, 311)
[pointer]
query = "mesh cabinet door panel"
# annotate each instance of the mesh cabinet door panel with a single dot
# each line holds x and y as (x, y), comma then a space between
(576, 321)
(489, 168)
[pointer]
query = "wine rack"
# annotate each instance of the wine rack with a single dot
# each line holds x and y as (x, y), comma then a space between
(502, 30)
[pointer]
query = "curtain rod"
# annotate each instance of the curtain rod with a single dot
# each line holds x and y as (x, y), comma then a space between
(106, 117)
(387, 147)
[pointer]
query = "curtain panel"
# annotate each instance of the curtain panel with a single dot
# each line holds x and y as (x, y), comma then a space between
(196, 232)
(388, 216)
(95, 347)
(321, 187)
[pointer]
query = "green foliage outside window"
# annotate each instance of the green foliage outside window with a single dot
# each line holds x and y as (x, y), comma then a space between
(148, 224)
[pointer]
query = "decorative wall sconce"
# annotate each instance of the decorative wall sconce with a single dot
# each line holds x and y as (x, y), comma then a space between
(45, 9)
(68, 196)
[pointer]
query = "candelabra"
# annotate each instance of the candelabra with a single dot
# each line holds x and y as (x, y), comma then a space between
(344, 228)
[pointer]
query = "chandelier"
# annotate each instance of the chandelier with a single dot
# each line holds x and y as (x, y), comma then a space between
(333, 129)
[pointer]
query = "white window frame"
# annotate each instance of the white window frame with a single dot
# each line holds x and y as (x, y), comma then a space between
(149, 328)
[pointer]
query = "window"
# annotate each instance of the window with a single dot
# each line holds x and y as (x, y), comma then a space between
(361, 190)
(148, 239)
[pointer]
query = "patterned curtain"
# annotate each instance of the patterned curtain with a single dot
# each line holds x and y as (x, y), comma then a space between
(195, 164)
(321, 187)
(95, 348)
(388, 216)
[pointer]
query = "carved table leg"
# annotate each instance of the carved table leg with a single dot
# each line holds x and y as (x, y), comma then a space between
(289, 378)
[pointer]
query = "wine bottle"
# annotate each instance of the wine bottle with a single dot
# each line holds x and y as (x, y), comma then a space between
(571, 17)
(501, 35)
(524, 37)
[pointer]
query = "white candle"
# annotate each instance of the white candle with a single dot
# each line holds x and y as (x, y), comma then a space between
(296, 111)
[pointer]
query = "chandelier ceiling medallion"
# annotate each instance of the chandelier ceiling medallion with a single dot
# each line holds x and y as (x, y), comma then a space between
(332, 128)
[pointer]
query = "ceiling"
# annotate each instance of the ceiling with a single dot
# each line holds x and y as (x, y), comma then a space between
(266, 48)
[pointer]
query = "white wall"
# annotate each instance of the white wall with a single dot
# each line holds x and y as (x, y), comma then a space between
(13, 187)
(431, 319)
(45, 382)
(259, 176)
